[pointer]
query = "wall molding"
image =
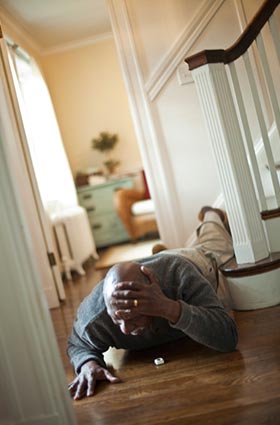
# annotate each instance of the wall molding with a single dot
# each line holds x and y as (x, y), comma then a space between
(8, 21)
(16, 27)
(180, 48)
(146, 122)
(241, 15)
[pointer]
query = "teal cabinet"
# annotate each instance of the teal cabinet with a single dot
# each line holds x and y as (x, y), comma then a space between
(105, 224)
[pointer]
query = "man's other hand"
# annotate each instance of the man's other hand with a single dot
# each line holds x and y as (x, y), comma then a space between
(84, 384)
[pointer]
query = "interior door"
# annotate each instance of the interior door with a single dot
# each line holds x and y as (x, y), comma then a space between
(16, 144)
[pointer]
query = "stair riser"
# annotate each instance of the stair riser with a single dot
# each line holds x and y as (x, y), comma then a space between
(254, 292)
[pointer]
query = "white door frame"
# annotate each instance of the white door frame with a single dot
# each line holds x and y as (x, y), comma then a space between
(153, 150)
(40, 230)
(34, 389)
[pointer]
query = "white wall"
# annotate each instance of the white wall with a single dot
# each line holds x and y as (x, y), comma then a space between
(161, 34)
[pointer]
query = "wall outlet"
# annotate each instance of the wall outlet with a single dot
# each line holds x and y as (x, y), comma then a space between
(184, 76)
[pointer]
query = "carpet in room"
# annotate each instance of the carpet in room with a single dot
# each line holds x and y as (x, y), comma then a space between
(125, 252)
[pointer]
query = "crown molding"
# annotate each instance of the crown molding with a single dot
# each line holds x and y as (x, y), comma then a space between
(8, 22)
(77, 44)
(16, 27)
(180, 48)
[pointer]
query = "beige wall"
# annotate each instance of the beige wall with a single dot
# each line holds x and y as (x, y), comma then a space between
(89, 96)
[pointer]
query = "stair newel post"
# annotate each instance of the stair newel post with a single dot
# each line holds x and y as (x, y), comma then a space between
(217, 104)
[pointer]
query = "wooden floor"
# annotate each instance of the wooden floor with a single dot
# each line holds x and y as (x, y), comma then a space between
(196, 385)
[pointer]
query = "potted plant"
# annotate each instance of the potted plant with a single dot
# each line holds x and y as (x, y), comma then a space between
(106, 142)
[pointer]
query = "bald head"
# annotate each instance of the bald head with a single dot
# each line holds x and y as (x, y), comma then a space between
(128, 271)
(129, 320)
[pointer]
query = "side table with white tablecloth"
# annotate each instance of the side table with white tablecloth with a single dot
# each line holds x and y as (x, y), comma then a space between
(74, 240)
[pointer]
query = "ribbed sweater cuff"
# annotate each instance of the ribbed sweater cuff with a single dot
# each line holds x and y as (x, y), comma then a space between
(185, 318)
(86, 358)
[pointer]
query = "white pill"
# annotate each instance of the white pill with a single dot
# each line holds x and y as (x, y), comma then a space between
(159, 361)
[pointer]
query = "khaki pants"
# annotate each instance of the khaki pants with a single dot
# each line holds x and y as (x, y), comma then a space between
(213, 239)
(212, 247)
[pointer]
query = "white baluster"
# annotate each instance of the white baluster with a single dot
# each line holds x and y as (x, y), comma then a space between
(269, 81)
(275, 35)
(236, 181)
(264, 133)
(247, 132)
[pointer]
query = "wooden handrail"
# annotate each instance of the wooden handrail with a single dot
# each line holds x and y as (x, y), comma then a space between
(241, 45)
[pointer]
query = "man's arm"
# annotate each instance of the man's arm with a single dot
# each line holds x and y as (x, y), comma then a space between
(81, 349)
(202, 316)
(197, 310)
(209, 325)
(86, 355)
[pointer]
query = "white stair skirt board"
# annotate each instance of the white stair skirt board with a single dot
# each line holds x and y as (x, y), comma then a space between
(74, 239)
(255, 292)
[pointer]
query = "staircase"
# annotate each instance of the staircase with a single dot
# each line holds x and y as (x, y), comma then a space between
(238, 91)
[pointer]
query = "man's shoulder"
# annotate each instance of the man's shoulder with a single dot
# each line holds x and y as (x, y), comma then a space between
(92, 307)
(168, 264)
(165, 259)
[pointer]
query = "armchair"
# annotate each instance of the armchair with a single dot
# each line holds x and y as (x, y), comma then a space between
(136, 212)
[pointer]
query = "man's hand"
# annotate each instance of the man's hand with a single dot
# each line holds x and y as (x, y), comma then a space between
(151, 301)
(84, 384)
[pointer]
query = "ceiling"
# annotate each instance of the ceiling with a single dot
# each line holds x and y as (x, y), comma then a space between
(52, 23)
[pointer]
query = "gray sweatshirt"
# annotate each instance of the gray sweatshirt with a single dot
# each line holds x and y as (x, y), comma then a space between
(203, 317)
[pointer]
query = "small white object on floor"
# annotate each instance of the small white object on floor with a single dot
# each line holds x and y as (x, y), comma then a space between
(159, 361)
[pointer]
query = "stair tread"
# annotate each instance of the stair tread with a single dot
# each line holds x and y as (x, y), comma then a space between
(232, 269)
(272, 213)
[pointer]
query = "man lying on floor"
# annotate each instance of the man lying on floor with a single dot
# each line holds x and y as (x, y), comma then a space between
(153, 301)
